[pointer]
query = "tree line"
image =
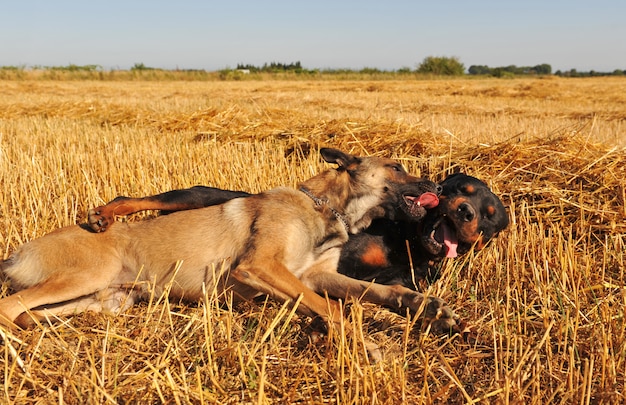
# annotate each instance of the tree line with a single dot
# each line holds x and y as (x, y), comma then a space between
(543, 69)
(438, 66)
(431, 65)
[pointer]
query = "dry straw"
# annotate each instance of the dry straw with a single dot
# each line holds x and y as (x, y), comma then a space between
(546, 298)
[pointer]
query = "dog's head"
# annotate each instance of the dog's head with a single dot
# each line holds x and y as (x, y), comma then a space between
(468, 214)
(384, 186)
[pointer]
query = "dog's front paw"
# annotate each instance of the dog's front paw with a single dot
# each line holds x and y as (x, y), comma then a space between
(441, 318)
(446, 323)
(99, 218)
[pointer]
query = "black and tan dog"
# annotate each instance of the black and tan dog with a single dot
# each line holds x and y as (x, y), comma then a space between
(393, 250)
(283, 242)
(468, 216)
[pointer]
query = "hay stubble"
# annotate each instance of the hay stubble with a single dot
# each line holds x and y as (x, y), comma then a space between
(546, 298)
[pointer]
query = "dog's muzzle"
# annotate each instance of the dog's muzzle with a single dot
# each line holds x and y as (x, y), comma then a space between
(416, 206)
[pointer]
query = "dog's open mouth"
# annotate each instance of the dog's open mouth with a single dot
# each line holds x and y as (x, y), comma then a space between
(426, 200)
(416, 206)
(442, 238)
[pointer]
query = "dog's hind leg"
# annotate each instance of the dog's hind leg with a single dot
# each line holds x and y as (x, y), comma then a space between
(64, 285)
(110, 300)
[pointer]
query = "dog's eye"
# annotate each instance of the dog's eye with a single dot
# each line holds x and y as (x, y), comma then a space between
(397, 168)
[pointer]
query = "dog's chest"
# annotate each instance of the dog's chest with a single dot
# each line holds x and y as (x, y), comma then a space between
(316, 245)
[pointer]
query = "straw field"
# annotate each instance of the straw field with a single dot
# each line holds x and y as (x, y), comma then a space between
(546, 298)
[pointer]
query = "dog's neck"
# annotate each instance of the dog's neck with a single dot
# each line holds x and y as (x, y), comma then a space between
(323, 201)
(334, 189)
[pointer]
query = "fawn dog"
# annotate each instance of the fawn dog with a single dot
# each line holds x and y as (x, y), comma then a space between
(283, 242)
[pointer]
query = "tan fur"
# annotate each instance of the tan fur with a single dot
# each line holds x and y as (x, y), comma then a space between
(279, 242)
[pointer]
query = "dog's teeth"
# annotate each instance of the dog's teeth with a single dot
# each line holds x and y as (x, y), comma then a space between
(419, 203)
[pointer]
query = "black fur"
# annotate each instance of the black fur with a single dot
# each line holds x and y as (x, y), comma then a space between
(388, 250)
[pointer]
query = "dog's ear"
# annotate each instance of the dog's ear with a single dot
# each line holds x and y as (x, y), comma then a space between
(338, 157)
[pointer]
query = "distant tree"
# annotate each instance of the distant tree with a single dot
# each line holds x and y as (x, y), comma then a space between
(369, 70)
(543, 69)
(480, 70)
(140, 66)
(512, 69)
(505, 71)
(273, 67)
(441, 65)
(249, 67)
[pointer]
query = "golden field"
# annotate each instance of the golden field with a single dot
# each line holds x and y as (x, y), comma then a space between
(547, 298)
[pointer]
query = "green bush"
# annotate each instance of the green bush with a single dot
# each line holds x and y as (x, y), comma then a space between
(441, 66)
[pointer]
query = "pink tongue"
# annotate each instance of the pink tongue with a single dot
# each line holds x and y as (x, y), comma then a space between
(428, 200)
(445, 235)
(450, 241)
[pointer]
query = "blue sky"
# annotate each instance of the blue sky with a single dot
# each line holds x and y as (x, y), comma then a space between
(211, 35)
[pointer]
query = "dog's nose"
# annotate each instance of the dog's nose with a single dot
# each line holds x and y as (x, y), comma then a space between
(466, 212)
